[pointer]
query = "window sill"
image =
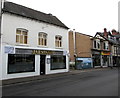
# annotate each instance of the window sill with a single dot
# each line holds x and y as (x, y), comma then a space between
(22, 44)
(59, 47)
(40, 46)
(106, 49)
(97, 48)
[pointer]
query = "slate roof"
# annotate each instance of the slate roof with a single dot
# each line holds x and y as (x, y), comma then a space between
(110, 40)
(117, 36)
(32, 14)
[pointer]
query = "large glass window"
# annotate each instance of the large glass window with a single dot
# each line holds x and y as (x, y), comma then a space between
(58, 41)
(21, 63)
(58, 62)
(21, 36)
(42, 39)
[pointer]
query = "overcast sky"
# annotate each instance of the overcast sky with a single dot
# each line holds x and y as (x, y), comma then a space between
(85, 16)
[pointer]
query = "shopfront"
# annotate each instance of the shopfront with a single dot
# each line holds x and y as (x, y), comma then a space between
(106, 58)
(96, 57)
(24, 62)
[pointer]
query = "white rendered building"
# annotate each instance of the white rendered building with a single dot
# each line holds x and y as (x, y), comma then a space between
(33, 43)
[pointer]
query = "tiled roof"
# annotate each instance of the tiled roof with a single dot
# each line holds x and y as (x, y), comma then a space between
(117, 36)
(33, 14)
(110, 40)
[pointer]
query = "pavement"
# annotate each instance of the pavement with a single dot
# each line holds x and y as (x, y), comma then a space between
(46, 77)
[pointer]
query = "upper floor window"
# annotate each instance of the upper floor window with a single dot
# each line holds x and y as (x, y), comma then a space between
(21, 36)
(95, 44)
(42, 39)
(105, 46)
(98, 44)
(58, 41)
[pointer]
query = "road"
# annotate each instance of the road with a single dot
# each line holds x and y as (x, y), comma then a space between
(91, 83)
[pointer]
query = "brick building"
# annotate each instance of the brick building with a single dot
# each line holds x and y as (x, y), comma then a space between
(80, 50)
(102, 49)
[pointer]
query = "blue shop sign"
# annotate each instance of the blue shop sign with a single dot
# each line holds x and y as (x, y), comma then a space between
(83, 63)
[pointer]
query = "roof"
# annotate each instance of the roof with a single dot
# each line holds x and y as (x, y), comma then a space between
(101, 34)
(110, 40)
(85, 34)
(117, 36)
(32, 14)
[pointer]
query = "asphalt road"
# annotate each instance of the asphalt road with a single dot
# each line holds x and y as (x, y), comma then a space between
(93, 83)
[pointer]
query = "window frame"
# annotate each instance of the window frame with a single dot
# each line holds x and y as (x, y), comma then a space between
(105, 45)
(42, 41)
(20, 36)
(59, 59)
(21, 58)
(95, 44)
(58, 42)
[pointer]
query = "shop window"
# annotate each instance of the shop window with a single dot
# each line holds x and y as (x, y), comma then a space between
(58, 62)
(21, 36)
(42, 39)
(21, 63)
(58, 41)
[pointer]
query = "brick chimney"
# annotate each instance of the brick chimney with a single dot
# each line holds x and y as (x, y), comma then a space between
(105, 33)
(114, 32)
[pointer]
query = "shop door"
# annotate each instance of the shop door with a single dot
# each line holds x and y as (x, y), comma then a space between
(42, 64)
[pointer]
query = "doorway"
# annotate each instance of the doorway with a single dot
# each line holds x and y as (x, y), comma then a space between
(42, 64)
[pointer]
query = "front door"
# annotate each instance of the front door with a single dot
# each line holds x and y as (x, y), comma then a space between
(42, 64)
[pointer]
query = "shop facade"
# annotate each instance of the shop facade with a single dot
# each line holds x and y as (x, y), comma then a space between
(101, 51)
(96, 58)
(101, 58)
(106, 58)
(31, 46)
(24, 61)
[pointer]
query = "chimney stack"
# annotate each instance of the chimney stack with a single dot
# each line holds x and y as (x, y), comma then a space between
(105, 33)
(114, 32)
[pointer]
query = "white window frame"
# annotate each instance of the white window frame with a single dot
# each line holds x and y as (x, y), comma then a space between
(42, 39)
(18, 41)
(106, 45)
(58, 43)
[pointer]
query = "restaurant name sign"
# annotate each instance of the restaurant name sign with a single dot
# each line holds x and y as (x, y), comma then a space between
(38, 52)
(42, 52)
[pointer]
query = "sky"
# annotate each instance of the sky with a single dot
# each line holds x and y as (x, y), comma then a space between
(85, 16)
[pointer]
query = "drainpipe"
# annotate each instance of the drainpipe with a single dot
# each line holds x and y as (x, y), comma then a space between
(74, 41)
(0, 50)
(1, 6)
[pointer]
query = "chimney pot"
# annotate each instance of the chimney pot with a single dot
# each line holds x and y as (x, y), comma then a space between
(105, 33)
(114, 32)
(105, 30)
